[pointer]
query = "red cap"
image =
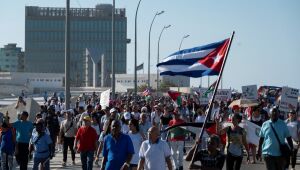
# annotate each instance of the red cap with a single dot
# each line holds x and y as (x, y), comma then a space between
(235, 107)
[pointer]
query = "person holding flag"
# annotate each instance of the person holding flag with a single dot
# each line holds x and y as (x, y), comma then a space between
(176, 140)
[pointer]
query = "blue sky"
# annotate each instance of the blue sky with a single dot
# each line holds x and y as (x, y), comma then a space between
(264, 50)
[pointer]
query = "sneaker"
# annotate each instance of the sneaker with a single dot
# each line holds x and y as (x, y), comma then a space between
(63, 164)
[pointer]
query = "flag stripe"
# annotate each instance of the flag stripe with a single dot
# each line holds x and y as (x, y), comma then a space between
(192, 55)
(196, 73)
(200, 48)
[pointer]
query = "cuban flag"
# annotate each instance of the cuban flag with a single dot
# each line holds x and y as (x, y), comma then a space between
(199, 61)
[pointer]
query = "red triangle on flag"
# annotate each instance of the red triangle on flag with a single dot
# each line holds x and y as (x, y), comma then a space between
(215, 58)
(174, 94)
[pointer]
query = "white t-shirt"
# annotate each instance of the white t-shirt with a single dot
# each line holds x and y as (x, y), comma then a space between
(155, 154)
(200, 119)
(21, 108)
(155, 117)
(124, 128)
(136, 115)
(294, 129)
(137, 140)
(96, 127)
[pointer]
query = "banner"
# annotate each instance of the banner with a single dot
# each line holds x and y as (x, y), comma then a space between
(289, 98)
(223, 94)
(104, 99)
(249, 92)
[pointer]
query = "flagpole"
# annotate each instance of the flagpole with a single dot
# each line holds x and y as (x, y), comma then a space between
(213, 97)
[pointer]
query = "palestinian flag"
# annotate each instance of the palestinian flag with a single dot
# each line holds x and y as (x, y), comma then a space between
(210, 89)
(176, 97)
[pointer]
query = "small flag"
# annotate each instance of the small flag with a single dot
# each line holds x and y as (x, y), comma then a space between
(175, 96)
(210, 89)
(140, 67)
(146, 92)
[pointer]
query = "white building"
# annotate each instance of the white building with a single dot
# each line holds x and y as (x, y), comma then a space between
(126, 81)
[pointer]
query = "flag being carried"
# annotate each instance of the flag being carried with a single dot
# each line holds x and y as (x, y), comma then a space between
(210, 89)
(176, 97)
(195, 62)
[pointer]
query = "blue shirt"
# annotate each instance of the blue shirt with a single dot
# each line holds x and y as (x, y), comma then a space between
(7, 145)
(270, 145)
(23, 131)
(41, 147)
(116, 151)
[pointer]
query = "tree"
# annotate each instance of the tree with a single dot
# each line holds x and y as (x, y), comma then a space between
(165, 86)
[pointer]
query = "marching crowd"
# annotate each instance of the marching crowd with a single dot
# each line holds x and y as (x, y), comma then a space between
(134, 133)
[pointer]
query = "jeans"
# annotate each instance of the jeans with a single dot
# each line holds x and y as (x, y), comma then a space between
(177, 147)
(43, 161)
(6, 161)
(293, 157)
(233, 162)
(22, 156)
(274, 162)
(68, 142)
(87, 158)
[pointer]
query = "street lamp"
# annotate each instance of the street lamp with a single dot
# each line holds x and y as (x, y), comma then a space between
(67, 54)
(113, 51)
(135, 49)
(157, 74)
(184, 37)
(157, 13)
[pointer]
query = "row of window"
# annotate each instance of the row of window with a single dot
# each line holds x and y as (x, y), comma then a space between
(60, 46)
(75, 36)
(42, 80)
(131, 81)
(88, 25)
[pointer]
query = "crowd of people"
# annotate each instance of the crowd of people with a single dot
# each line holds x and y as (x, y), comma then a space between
(130, 133)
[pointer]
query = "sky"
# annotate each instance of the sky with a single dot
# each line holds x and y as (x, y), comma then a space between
(264, 51)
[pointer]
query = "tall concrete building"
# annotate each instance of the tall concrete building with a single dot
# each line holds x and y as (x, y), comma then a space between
(11, 58)
(90, 28)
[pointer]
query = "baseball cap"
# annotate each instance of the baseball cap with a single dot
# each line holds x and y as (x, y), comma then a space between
(127, 116)
(235, 107)
(87, 118)
(112, 110)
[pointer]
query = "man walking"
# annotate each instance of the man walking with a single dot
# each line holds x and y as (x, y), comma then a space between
(41, 145)
(176, 139)
(87, 138)
(154, 153)
(67, 134)
(117, 149)
(269, 146)
(23, 133)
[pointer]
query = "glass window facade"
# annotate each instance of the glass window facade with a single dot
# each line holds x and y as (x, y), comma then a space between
(45, 40)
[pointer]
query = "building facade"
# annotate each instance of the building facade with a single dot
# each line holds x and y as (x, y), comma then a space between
(89, 28)
(126, 81)
(11, 58)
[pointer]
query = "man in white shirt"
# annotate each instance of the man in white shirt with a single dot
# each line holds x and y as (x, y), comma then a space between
(20, 106)
(154, 153)
(155, 116)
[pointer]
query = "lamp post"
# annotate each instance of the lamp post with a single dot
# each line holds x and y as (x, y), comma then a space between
(157, 13)
(113, 51)
(67, 54)
(157, 74)
(184, 37)
(135, 49)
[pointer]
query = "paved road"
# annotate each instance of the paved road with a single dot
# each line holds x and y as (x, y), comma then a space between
(55, 164)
